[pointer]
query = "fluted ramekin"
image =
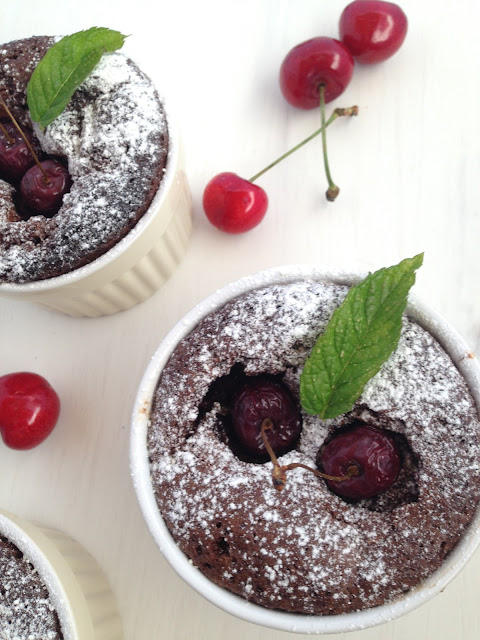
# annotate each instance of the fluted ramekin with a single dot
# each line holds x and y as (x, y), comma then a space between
(284, 621)
(137, 265)
(78, 589)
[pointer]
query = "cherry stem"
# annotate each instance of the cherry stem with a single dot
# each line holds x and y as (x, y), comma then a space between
(280, 472)
(333, 190)
(46, 179)
(268, 424)
(9, 138)
(349, 111)
(352, 471)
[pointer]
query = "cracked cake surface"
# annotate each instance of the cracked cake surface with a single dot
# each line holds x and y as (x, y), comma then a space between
(305, 549)
(113, 135)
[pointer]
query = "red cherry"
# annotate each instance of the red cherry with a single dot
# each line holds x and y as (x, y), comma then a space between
(313, 63)
(374, 454)
(15, 158)
(233, 204)
(373, 30)
(29, 409)
(41, 196)
(257, 400)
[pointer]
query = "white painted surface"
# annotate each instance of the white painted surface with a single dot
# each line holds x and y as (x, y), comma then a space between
(408, 169)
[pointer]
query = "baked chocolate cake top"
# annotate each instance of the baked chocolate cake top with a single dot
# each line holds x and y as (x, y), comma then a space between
(305, 549)
(26, 610)
(113, 135)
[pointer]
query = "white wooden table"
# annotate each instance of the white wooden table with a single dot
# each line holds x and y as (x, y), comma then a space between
(408, 168)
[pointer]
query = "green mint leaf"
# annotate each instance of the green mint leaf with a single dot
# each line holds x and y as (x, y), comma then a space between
(63, 69)
(361, 335)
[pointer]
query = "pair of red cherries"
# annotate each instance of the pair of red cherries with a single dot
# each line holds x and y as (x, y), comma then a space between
(370, 31)
(359, 462)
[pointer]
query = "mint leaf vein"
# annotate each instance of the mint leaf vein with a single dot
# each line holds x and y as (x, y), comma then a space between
(361, 335)
(64, 67)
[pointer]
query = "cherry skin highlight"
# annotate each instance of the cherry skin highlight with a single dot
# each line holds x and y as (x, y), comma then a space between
(319, 61)
(371, 451)
(15, 158)
(233, 204)
(29, 409)
(44, 197)
(373, 30)
(260, 399)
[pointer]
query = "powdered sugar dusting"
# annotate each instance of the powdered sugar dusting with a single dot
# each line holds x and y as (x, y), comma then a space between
(305, 549)
(26, 609)
(113, 135)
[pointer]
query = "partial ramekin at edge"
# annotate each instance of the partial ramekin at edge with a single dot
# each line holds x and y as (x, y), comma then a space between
(237, 606)
(137, 265)
(78, 589)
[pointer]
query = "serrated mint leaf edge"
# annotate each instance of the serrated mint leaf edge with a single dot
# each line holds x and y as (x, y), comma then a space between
(324, 409)
(406, 268)
(96, 41)
(326, 347)
(44, 116)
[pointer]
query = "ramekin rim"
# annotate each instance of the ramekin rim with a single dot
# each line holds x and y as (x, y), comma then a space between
(451, 341)
(11, 526)
(48, 284)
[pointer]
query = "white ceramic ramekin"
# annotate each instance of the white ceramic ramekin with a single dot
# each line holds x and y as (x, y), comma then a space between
(453, 345)
(137, 265)
(78, 589)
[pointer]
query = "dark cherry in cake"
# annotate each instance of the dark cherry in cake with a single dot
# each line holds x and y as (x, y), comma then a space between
(305, 549)
(113, 136)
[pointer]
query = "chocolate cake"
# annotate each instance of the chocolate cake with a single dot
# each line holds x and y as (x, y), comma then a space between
(305, 549)
(26, 610)
(113, 136)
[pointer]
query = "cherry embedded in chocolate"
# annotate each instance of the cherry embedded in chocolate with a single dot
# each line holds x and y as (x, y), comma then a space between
(15, 157)
(259, 399)
(369, 450)
(44, 195)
